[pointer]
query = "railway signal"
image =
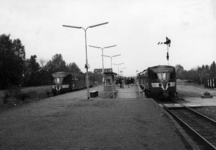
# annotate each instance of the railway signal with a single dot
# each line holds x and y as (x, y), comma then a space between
(168, 42)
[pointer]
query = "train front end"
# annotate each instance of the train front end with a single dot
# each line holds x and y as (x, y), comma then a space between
(163, 81)
(59, 85)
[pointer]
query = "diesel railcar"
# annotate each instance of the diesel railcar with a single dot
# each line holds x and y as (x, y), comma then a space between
(158, 81)
(66, 81)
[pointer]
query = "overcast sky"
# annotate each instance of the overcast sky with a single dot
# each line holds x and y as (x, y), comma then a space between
(135, 26)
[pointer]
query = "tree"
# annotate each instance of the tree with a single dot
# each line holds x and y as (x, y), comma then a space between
(56, 64)
(5, 55)
(33, 65)
(212, 70)
(72, 67)
(12, 57)
(203, 73)
(179, 71)
(32, 71)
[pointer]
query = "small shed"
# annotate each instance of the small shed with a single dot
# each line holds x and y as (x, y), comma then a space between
(109, 77)
(109, 86)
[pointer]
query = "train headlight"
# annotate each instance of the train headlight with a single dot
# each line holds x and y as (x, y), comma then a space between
(172, 84)
(65, 86)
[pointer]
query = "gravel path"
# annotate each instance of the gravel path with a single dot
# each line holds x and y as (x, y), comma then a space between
(70, 121)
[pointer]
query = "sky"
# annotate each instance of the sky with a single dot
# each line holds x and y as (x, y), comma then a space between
(134, 26)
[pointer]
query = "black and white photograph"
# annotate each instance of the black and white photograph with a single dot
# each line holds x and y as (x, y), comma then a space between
(107, 75)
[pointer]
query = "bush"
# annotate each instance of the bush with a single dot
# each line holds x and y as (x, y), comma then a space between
(32, 94)
(5, 98)
(22, 96)
(189, 81)
(14, 93)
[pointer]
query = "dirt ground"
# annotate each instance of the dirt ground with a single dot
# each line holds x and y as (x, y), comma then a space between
(192, 90)
(70, 121)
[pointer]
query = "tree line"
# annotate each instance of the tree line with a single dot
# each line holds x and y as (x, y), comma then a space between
(16, 70)
(198, 74)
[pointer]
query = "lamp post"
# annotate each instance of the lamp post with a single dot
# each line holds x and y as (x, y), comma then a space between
(86, 65)
(118, 66)
(122, 70)
(137, 72)
(102, 48)
(111, 58)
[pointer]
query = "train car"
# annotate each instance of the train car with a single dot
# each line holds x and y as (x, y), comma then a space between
(158, 81)
(66, 82)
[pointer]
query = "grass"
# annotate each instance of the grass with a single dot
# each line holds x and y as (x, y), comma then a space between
(15, 95)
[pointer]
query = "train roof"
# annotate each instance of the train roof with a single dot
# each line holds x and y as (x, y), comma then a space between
(162, 68)
(64, 74)
(159, 67)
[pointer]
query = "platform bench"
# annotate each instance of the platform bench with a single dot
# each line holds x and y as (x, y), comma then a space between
(94, 93)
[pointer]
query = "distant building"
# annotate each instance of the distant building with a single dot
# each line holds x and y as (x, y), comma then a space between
(100, 70)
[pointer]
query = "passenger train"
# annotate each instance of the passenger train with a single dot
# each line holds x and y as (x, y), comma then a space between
(158, 81)
(66, 81)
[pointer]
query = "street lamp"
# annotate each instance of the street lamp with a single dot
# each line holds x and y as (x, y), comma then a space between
(86, 65)
(122, 70)
(137, 71)
(102, 48)
(118, 66)
(111, 58)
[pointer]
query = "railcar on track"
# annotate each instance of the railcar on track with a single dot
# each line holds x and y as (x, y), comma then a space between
(158, 81)
(66, 82)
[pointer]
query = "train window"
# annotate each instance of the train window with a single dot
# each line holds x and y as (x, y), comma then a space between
(146, 74)
(79, 78)
(57, 80)
(74, 78)
(154, 76)
(66, 79)
(163, 76)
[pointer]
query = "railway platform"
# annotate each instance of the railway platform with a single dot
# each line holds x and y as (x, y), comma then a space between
(129, 91)
(70, 121)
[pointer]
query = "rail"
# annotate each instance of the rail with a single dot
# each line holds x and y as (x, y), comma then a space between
(204, 128)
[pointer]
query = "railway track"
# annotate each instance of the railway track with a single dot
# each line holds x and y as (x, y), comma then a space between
(201, 127)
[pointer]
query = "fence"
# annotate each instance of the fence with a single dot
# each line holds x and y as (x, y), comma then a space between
(110, 91)
(210, 83)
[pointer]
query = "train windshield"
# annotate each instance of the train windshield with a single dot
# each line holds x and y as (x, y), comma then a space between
(163, 76)
(57, 80)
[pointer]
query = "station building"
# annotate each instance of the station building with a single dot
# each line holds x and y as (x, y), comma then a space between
(99, 71)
